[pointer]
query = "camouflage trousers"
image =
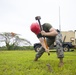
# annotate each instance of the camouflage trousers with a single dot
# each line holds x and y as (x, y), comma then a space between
(59, 48)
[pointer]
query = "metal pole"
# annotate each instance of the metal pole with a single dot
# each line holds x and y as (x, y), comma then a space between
(59, 20)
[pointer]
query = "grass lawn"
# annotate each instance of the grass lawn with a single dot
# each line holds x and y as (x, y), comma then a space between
(21, 63)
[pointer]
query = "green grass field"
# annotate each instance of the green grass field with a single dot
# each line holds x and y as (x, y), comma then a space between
(21, 63)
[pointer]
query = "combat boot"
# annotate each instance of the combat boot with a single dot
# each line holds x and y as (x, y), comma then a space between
(35, 59)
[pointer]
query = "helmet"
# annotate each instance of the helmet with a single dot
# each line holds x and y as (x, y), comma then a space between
(35, 28)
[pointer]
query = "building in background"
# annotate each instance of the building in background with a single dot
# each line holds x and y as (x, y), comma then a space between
(70, 36)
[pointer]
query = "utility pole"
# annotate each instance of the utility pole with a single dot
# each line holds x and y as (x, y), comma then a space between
(59, 20)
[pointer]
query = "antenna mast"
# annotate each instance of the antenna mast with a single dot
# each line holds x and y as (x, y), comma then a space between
(59, 20)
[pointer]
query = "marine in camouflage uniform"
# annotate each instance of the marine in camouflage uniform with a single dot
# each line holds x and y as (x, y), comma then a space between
(53, 36)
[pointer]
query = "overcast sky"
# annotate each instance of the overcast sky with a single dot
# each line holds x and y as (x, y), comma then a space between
(17, 15)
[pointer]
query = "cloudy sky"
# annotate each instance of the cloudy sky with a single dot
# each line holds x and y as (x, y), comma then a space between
(17, 15)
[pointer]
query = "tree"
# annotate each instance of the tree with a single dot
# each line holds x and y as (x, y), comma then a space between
(13, 40)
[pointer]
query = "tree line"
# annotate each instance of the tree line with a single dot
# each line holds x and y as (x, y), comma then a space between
(12, 41)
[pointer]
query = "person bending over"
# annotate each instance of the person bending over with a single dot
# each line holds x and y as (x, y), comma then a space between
(52, 35)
